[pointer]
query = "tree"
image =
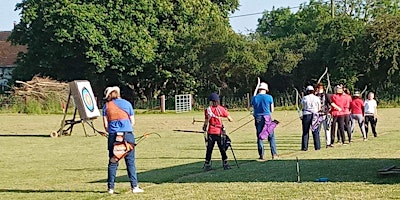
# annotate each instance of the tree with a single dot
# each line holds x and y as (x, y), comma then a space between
(134, 42)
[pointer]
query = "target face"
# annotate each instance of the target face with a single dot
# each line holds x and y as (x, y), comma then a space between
(84, 99)
(87, 99)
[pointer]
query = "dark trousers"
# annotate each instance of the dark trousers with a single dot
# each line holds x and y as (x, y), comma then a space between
(370, 119)
(339, 120)
(347, 126)
(212, 139)
(306, 123)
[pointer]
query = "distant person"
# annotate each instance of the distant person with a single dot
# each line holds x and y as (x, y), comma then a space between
(215, 130)
(263, 106)
(118, 121)
(371, 113)
(324, 112)
(357, 113)
(347, 113)
(311, 106)
(338, 102)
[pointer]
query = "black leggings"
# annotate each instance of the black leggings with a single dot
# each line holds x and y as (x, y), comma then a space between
(370, 119)
(340, 121)
(212, 138)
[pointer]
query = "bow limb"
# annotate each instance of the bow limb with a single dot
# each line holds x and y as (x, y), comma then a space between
(297, 103)
(258, 85)
(144, 136)
(328, 88)
(322, 76)
(365, 89)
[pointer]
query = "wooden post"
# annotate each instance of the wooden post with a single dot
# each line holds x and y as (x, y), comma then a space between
(248, 100)
(162, 103)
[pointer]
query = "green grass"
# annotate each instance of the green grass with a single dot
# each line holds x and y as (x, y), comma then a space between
(35, 166)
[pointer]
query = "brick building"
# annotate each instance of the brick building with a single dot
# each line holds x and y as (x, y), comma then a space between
(8, 57)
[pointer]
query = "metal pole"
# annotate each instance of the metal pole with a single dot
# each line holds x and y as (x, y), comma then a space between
(298, 170)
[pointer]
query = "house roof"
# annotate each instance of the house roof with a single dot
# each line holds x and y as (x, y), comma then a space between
(4, 35)
(8, 52)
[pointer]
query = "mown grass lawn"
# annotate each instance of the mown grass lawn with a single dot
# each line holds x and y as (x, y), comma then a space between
(35, 166)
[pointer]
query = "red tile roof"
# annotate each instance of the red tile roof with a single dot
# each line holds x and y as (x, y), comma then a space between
(8, 52)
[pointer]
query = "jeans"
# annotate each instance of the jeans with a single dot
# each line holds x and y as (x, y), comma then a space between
(129, 161)
(306, 123)
(259, 123)
(326, 125)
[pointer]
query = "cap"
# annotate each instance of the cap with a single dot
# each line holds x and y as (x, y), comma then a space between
(263, 86)
(310, 88)
(213, 97)
(108, 91)
(357, 94)
(338, 89)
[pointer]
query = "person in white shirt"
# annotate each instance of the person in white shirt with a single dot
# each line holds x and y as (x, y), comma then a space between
(311, 106)
(370, 113)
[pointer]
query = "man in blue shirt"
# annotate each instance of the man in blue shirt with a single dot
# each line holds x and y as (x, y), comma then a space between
(263, 104)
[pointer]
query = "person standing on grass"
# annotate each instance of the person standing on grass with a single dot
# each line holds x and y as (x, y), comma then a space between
(263, 106)
(118, 121)
(311, 106)
(215, 129)
(338, 102)
(371, 113)
(357, 113)
(325, 107)
(347, 113)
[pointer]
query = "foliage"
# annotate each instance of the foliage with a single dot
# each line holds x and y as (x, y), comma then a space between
(144, 45)
(153, 48)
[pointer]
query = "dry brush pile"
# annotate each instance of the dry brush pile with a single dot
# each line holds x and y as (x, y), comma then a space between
(41, 89)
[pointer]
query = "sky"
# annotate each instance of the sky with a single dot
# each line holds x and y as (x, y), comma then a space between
(240, 24)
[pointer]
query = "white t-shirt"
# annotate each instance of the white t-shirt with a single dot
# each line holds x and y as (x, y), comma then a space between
(310, 103)
(370, 106)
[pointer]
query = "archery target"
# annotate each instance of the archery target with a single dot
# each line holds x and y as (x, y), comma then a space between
(84, 98)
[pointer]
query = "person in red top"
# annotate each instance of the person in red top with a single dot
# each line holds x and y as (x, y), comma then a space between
(357, 113)
(347, 113)
(338, 103)
(215, 128)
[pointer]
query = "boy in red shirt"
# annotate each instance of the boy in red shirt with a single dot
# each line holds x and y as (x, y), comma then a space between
(213, 120)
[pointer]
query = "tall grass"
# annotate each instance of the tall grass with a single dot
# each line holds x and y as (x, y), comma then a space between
(15, 104)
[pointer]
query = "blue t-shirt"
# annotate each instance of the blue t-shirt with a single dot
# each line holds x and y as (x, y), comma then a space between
(124, 125)
(262, 104)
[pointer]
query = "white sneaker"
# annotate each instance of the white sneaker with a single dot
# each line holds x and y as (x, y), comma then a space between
(137, 190)
(110, 191)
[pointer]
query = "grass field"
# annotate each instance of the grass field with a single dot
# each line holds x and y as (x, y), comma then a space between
(36, 166)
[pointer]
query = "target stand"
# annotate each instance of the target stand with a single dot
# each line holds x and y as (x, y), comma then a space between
(84, 103)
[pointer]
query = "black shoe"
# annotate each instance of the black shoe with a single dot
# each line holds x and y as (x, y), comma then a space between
(226, 166)
(207, 167)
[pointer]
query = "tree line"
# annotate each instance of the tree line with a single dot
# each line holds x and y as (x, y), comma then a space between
(151, 48)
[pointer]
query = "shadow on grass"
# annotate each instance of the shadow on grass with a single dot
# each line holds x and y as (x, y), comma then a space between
(23, 135)
(336, 170)
(49, 191)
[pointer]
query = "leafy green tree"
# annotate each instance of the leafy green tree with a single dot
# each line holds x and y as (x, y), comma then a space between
(145, 45)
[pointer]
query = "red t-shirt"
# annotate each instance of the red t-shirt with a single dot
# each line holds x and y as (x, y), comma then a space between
(357, 106)
(342, 101)
(215, 118)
